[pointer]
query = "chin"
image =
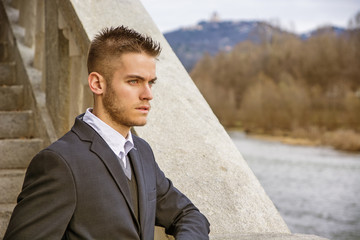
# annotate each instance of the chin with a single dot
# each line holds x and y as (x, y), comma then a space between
(139, 123)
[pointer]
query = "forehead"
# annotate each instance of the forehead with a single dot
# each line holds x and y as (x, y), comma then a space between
(134, 63)
(135, 59)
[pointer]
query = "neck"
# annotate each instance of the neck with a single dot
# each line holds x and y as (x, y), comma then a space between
(123, 130)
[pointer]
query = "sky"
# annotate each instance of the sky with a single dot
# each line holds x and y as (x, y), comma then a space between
(298, 16)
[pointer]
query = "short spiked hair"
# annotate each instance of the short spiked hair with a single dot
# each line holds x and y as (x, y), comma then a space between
(115, 41)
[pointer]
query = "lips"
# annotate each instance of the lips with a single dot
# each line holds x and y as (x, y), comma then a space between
(144, 108)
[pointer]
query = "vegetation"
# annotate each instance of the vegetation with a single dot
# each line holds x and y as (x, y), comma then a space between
(288, 86)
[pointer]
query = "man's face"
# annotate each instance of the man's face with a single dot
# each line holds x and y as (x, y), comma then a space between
(126, 99)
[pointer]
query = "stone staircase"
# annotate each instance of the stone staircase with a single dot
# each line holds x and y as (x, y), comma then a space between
(17, 130)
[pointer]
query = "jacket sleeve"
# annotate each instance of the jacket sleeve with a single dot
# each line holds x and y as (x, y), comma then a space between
(46, 202)
(177, 214)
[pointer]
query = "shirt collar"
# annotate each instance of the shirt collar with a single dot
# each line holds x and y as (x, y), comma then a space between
(119, 145)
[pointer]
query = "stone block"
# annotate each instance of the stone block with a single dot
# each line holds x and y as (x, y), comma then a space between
(11, 181)
(5, 214)
(16, 124)
(7, 72)
(11, 97)
(12, 157)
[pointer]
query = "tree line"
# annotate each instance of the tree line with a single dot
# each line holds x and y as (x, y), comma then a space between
(288, 86)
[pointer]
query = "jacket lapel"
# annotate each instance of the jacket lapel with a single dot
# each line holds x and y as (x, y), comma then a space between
(100, 148)
(139, 173)
(107, 156)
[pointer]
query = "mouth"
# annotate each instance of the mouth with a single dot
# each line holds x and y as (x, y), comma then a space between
(144, 108)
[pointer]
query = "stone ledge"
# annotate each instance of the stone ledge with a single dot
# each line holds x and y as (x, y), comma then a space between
(266, 236)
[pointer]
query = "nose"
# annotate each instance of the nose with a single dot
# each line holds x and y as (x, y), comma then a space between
(146, 93)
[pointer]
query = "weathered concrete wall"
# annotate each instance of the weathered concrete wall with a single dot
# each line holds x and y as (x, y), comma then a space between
(189, 143)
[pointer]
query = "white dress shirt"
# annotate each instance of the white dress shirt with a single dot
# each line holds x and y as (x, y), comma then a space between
(121, 146)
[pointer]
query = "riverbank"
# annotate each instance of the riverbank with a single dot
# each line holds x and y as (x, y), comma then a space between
(315, 189)
(344, 140)
(287, 140)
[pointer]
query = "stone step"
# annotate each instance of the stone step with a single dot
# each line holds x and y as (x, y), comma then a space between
(11, 181)
(7, 73)
(17, 153)
(15, 124)
(11, 97)
(5, 214)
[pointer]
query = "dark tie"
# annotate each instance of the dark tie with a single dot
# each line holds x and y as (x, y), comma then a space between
(127, 169)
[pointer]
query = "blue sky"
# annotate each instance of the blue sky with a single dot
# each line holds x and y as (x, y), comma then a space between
(295, 15)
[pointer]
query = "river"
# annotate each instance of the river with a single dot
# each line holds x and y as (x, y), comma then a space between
(315, 189)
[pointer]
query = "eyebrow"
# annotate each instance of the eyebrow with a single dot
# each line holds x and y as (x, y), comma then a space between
(140, 77)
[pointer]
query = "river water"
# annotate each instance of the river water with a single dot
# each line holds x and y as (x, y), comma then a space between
(315, 189)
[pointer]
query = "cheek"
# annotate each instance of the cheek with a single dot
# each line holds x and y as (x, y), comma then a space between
(127, 93)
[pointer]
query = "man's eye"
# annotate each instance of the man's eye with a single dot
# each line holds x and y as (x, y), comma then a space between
(152, 82)
(133, 81)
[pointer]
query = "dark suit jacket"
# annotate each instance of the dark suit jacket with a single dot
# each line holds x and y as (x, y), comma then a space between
(76, 189)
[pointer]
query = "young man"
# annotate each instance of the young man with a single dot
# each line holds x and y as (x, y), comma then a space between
(99, 181)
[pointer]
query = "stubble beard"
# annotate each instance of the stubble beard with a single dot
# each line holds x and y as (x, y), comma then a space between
(117, 112)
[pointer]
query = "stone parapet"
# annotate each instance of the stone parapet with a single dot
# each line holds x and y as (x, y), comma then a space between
(267, 236)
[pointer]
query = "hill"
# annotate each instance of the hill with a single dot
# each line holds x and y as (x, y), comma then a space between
(191, 43)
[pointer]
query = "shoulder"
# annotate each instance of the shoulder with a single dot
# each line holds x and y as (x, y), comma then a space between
(67, 143)
(57, 152)
(68, 150)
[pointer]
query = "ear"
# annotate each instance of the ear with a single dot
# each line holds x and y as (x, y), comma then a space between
(96, 83)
